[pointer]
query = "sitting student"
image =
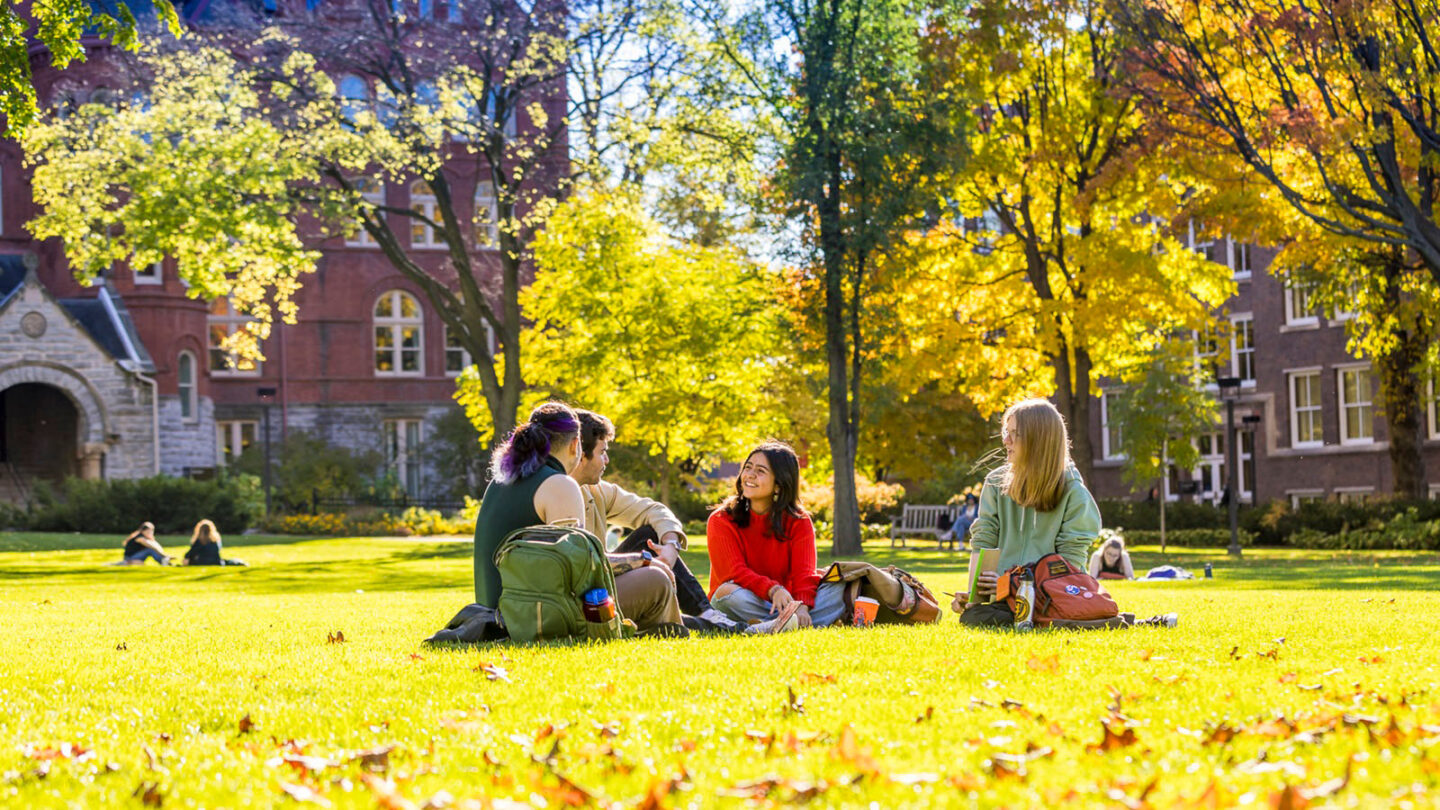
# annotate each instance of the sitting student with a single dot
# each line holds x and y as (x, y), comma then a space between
(1034, 504)
(762, 549)
(963, 521)
(141, 546)
(205, 547)
(530, 486)
(1111, 561)
(655, 527)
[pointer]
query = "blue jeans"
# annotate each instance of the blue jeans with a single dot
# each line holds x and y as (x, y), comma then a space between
(744, 606)
(144, 554)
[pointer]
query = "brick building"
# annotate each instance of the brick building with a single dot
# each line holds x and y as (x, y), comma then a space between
(125, 378)
(1321, 432)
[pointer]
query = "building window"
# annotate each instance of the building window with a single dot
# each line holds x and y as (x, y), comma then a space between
(1109, 428)
(1213, 471)
(1242, 348)
(1354, 494)
(223, 322)
(231, 439)
(398, 334)
(1305, 426)
(153, 273)
(1239, 259)
(2, 200)
(457, 357)
(402, 453)
(354, 97)
(1299, 304)
(1304, 496)
(372, 194)
(1207, 346)
(422, 201)
(185, 377)
(487, 216)
(1357, 423)
(1432, 407)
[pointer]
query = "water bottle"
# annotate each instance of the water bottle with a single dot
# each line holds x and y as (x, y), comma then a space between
(1209, 574)
(598, 606)
(1025, 601)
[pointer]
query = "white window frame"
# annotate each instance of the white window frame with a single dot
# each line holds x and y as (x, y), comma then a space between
(1236, 351)
(188, 390)
(459, 351)
(1432, 409)
(153, 273)
(395, 324)
(1299, 496)
(373, 193)
(1316, 406)
(402, 459)
(1241, 260)
(1108, 450)
(229, 322)
(1433, 492)
(422, 200)
(235, 428)
(1215, 462)
(1368, 405)
(487, 232)
(1349, 494)
(1292, 317)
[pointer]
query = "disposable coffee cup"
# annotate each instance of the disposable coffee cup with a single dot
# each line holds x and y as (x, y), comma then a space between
(865, 610)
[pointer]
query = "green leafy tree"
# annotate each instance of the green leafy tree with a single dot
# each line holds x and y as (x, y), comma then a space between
(674, 342)
(1161, 408)
(60, 27)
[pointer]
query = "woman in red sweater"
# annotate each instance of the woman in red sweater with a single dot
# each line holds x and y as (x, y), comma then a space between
(762, 549)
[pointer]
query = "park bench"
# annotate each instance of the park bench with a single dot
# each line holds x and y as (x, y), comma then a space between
(921, 519)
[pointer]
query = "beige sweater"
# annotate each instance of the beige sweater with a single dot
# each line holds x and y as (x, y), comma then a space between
(607, 503)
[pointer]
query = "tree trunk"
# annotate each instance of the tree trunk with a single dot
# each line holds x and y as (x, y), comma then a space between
(1072, 399)
(840, 429)
(1160, 487)
(1400, 390)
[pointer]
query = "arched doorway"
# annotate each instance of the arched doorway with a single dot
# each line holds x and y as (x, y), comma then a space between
(39, 432)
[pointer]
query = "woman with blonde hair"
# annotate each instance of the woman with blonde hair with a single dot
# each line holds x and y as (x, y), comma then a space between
(1033, 505)
(1111, 561)
(204, 545)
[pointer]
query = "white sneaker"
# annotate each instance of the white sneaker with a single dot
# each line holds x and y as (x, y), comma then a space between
(714, 616)
(1170, 619)
(789, 619)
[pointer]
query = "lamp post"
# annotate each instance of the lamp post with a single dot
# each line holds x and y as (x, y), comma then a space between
(267, 398)
(1229, 391)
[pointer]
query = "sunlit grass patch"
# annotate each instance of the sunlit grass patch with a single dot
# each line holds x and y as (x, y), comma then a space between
(230, 687)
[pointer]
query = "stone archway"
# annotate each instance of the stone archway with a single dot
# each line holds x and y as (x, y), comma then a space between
(39, 432)
(53, 420)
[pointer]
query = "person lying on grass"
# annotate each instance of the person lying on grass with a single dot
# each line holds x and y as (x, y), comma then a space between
(1033, 505)
(141, 546)
(762, 549)
(1111, 561)
(530, 485)
(656, 529)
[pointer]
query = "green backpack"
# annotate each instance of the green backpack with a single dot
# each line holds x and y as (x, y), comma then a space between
(544, 570)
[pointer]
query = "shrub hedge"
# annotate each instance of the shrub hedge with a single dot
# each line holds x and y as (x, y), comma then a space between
(1186, 538)
(174, 505)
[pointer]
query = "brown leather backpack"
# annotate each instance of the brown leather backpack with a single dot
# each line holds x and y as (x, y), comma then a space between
(903, 598)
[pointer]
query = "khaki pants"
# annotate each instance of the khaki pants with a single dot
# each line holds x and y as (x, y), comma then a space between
(646, 596)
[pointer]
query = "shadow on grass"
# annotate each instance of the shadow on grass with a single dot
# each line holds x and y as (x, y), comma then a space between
(65, 541)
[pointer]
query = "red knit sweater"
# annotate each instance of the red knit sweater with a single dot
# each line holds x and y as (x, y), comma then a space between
(753, 559)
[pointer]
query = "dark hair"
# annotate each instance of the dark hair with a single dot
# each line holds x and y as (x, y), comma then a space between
(528, 445)
(785, 466)
(593, 428)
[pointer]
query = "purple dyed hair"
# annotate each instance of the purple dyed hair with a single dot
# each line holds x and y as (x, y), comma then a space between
(526, 448)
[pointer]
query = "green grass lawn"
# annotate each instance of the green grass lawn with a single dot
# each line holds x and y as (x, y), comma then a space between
(218, 688)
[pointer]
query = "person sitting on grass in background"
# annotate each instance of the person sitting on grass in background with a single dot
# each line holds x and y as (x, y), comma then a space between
(960, 529)
(1111, 561)
(141, 546)
(1033, 505)
(529, 486)
(656, 529)
(205, 547)
(762, 549)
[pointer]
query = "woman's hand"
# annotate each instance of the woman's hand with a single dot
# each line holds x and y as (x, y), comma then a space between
(780, 598)
(985, 584)
(804, 615)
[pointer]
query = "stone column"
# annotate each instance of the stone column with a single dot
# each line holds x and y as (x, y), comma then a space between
(91, 454)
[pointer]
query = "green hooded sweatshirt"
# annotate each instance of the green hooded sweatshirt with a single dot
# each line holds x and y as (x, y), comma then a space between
(1024, 535)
